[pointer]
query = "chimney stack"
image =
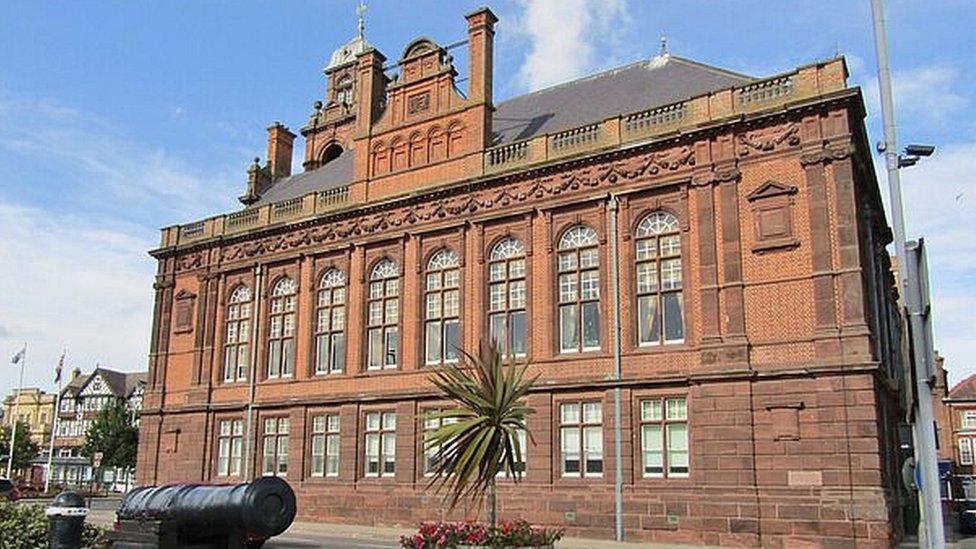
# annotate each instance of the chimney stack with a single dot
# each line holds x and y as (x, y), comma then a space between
(280, 141)
(481, 40)
(372, 88)
(75, 373)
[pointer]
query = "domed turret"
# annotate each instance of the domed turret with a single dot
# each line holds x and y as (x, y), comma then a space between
(347, 53)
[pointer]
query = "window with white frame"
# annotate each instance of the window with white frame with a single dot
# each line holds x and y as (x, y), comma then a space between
(581, 439)
(230, 445)
(432, 451)
(330, 336)
(380, 444)
(442, 300)
(383, 313)
(660, 307)
(507, 296)
(965, 451)
(579, 290)
(969, 419)
(343, 91)
(281, 329)
(237, 344)
(325, 445)
(275, 446)
(520, 460)
(664, 437)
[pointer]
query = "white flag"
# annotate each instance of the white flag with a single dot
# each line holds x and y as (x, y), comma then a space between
(57, 369)
(19, 356)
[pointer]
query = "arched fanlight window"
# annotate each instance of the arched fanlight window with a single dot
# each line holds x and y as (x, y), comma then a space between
(330, 325)
(579, 290)
(660, 306)
(383, 314)
(507, 296)
(281, 329)
(442, 310)
(237, 341)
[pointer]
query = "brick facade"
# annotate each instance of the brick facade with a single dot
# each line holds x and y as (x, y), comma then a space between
(787, 361)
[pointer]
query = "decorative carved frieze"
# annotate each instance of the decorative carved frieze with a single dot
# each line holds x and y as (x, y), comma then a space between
(827, 154)
(767, 140)
(190, 261)
(516, 192)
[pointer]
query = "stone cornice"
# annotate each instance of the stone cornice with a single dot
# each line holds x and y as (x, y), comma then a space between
(655, 157)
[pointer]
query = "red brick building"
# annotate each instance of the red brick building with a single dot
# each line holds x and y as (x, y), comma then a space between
(957, 430)
(722, 234)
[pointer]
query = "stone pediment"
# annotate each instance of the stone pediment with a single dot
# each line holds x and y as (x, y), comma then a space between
(769, 189)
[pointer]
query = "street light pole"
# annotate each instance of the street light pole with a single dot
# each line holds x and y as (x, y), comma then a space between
(931, 532)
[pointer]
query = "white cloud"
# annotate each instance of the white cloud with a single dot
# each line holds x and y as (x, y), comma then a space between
(569, 38)
(921, 94)
(940, 205)
(74, 283)
(75, 226)
(107, 166)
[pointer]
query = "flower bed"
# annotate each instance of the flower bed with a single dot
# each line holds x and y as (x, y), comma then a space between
(472, 535)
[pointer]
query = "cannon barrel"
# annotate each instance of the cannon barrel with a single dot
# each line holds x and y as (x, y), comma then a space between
(261, 509)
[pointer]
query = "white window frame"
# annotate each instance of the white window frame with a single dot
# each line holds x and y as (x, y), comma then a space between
(965, 451)
(275, 439)
(325, 445)
(581, 425)
(379, 427)
(664, 418)
(969, 419)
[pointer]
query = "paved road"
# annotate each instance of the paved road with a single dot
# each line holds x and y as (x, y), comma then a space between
(327, 542)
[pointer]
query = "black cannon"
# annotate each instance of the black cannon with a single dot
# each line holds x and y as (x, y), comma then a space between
(204, 516)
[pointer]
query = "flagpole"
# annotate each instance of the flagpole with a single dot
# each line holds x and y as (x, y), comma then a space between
(54, 426)
(13, 434)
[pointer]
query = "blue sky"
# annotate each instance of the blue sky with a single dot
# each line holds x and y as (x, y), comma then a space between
(117, 118)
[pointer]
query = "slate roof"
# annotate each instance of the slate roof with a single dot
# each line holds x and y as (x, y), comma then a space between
(334, 174)
(642, 85)
(121, 383)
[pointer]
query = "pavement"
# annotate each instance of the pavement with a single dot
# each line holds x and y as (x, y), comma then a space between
(308, 535)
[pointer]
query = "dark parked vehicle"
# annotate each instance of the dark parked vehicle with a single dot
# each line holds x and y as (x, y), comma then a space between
(967, 517)
(8, 491)
(204, 516)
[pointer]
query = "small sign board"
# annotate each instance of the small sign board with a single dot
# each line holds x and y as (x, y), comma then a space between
(97, 459)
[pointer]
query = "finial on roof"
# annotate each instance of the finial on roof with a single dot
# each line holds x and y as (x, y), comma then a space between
(361, 12)
(664, 45)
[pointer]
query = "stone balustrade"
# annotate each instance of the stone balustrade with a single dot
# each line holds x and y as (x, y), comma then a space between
(805, 83)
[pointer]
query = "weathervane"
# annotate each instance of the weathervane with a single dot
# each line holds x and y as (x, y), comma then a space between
(361, 12)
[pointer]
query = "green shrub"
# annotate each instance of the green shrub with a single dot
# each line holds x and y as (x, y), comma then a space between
(25, 527)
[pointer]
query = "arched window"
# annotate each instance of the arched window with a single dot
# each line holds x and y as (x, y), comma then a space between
(659, 300)
(343, 91)
(331, 152)
(579, 290)
(237, 344)
(330, 326)
(442, 299)
(383, 306)
(506, 296)
(281, 329)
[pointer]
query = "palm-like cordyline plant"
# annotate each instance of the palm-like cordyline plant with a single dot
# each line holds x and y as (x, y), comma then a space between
(479, 438)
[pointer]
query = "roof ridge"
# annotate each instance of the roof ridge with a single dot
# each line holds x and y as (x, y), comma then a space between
(961, 383)
(649, 61)
(712, 68)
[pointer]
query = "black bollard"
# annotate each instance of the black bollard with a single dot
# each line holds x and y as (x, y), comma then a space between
(66, 521)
